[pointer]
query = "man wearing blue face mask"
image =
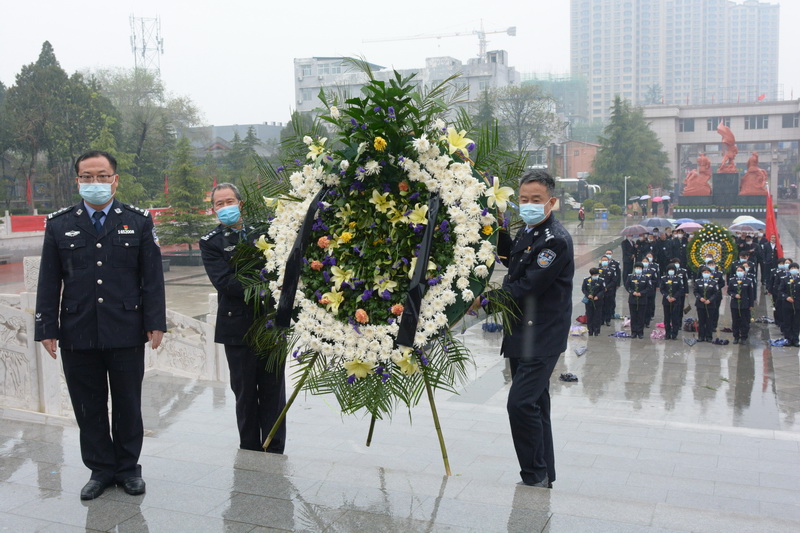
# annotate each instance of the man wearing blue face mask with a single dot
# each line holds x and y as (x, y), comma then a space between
(101, 298)
(260, 391)
(541, 265)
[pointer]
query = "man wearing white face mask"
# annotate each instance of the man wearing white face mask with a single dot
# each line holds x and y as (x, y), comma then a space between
(260, 391)
(101, 298)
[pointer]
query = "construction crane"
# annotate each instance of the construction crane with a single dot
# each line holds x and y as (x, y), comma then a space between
(481, 33)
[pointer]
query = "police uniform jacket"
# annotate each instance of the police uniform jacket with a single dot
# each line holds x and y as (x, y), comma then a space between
(778, 274)
(790, 287)
(744, 287)
(594, 287)
(671, 286)
(113, 283)
(234, 315)
(641, 284)
(540, 270)
(706, 288)
(614, 265)
(609, 276)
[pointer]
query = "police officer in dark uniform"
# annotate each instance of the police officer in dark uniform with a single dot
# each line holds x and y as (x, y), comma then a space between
(260, 391)
(790, 293)
(628, 257)
(774, 288)
(612, 303)
(742, 290)
(101, 298)
(651, 270)
(594, 291)
(672, 291)
(706, 290)
(610, 277)
(640, 289)
(540, 270)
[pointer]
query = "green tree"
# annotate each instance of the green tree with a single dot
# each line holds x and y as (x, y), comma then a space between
(527, 117)
(186, 220)
(629, 147)
(149, 119)
(129, 190)
(653, 96)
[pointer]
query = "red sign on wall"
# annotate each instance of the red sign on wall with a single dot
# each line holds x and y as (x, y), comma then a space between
(27, 223)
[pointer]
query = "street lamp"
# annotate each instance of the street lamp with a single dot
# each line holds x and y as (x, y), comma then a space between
(625, 200)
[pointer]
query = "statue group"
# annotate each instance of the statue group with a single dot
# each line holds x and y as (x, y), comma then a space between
(753, 183)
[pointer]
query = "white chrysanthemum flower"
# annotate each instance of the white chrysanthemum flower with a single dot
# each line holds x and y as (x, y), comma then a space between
(344, 165)
(422, 144)
(335, 112)
(372, 168)
(481, 271)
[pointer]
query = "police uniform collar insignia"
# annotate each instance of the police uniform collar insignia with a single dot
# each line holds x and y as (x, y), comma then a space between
(230, 248)
(117, 210)
(79, 211)
(72, 233)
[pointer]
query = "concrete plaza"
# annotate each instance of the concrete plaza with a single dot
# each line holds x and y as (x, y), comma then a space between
(655, 436)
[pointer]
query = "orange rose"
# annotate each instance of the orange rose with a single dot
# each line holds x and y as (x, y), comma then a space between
(397, 309)
(361, 316)
(403, 186)
(323, 242)
(324, 301)
(316, 265)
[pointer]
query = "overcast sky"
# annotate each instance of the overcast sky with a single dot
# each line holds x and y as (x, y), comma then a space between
(235, 58)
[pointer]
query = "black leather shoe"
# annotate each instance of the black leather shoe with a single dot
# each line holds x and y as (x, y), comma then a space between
(133, 486)
(735, 341)
(543, 484)
(93, 489)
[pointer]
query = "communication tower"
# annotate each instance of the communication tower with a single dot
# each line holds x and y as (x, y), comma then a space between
(147, 44)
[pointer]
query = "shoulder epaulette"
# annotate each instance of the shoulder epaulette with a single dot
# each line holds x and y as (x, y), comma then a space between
(60, 212)
(139, 210)
(210, 234)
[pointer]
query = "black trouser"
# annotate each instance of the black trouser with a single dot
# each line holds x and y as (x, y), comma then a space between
(650, 309)
(580, 222)
(110, 452)
(529, 416)
(594, 315)
(609, 305)
(260, 398)
(673, 315)
(637, 310)
(627, 268)
(740, 322)
(792, 320)
(778, 314)
(706, 317)
(717, 303)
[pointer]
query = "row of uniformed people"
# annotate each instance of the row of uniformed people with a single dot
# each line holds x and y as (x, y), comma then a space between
(783, 287)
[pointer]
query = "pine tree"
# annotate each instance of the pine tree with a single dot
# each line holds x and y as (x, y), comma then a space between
(628, 147)
(185, 221)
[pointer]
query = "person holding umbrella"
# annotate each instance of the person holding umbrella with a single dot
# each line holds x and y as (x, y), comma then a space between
(705, 292)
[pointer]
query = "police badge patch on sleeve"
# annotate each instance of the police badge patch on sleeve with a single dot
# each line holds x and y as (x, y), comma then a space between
(545, 258)
(155, 237)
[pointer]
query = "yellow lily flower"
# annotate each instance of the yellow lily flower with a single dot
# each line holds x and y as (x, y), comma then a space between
(413, 265)
(358, 368)
(382, 283)
(316, 149)
(457, 142)
(381, 201)
(499, 195)
(339, 276)
(345, 212)
(419, 215)
(263, 245)
(407, 366)
(398, 215)
(332, 300)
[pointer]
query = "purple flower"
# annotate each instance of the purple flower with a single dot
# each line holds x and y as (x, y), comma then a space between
(327, 276)
(366, 295)
(391, 111)
(269, 324)
(386, 187)
(391, 321)
(434, 281)
(280, 168)
(358, 251)
(484, 301)
(361, 170)
(329, 158)
(354, 122)
(319, 225)
(351, 379)
(485, 212)
(329, 261)
(386, 295)
(363, 126)
(423, 359)
(262, 294)
(413, 197)
(318, 295)
(417, 228)
(377, 109)
(404, 261)
(262, 274)
(470, 147)
(444, 226)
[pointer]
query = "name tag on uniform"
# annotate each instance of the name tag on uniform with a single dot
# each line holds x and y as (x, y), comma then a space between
(126, 231)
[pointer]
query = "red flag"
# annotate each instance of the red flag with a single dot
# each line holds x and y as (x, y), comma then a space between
(29, 193)
(762, 97)
(772, 227)
(166, 185)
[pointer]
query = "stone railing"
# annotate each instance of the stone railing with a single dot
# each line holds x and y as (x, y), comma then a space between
(31, 380)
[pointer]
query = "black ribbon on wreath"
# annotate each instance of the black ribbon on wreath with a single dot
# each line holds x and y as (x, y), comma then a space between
(294, 264)
(416, 289)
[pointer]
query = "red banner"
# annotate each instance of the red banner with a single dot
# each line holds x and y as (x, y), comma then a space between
(772, 226)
